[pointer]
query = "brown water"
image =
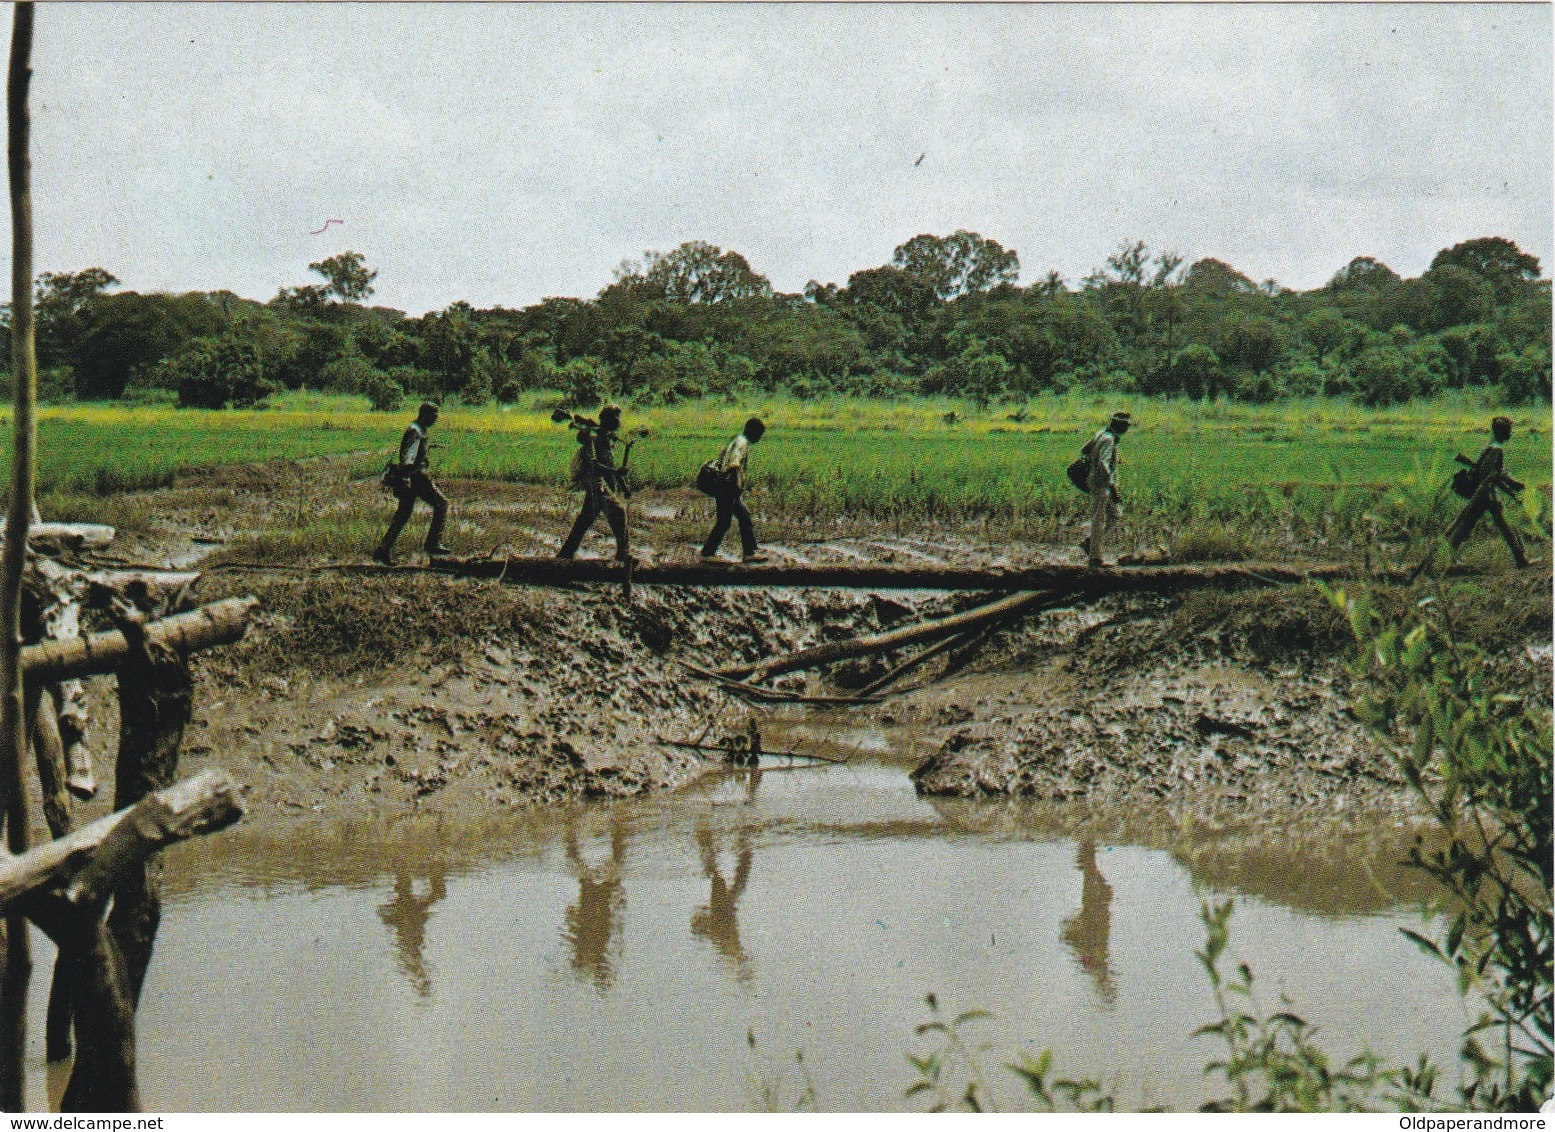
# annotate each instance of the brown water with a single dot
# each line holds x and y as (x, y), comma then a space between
(614, 956)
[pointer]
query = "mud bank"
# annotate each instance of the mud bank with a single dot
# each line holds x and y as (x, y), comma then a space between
(355, 696)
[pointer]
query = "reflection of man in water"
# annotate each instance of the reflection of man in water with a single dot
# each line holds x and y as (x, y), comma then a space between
(406, 915)
(1086, 932)
(717, 920)
(592, 924)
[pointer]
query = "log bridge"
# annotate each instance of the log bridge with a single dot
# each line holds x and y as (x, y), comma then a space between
(539, 571)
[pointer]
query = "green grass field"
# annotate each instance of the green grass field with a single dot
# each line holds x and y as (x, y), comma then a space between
(1308, 465)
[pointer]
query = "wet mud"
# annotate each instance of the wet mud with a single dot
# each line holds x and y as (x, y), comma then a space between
(485, 698)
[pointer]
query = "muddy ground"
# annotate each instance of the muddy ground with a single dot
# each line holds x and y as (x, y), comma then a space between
(369, 692)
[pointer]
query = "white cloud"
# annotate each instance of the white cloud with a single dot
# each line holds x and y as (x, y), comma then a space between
(500, 153)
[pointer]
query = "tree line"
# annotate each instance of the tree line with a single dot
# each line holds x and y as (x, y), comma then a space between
(947, 316)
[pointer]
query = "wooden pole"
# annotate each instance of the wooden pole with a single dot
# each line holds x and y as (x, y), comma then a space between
(1125, 579)
(13, 715)
(89, 861)
(219, 623)
(156, 700)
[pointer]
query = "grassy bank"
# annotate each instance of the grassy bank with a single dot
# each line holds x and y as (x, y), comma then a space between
(1313, 465)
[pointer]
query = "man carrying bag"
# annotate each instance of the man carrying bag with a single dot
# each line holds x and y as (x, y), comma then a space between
(724, 479)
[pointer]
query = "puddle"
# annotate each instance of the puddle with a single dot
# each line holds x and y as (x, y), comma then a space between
(614, 956)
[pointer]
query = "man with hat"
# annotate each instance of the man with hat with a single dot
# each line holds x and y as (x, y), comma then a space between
(602, 485)
(1487, 475)
(407, 478)
(1103, 480)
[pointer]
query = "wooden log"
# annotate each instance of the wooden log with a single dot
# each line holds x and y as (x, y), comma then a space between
(915, 660)
(219, 623)
(75, 536)
(90, 860)
(1125, 579)
(49, 751)
(156, 700)
(832, 651)
(158, 582)
(24, 429)
(103, 1078)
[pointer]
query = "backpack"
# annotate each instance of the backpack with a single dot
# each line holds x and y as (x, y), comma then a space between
(1079, 472)
(581, 470)
(1464, 483)
(393, 478)
(710, 481)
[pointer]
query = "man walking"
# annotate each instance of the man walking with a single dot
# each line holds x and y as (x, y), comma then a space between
(1103, 481)
(728, 485)
(1485, 477)
(602, 483)
(407, 478)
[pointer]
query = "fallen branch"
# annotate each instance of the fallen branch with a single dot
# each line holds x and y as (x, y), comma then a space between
(89, 861)
(833, 651)
(915, 660)
(219, 623)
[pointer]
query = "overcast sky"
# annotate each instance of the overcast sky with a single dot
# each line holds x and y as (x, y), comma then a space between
(503, 153)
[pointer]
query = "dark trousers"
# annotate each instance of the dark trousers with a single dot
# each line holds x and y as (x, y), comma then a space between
(1485, 501)
(418, 485)
(730, 507)
(595, 501)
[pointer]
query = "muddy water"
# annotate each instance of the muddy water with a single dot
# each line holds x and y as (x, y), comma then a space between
(615, 956)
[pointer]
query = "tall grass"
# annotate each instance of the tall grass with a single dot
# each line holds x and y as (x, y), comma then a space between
(1314, 468)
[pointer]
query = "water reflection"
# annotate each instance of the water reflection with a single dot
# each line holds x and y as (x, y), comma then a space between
(1088, 931)
(717, 921)
(406, 915)
(592, 925)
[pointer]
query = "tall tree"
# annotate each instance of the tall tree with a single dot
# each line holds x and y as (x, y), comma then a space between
(697, 272)
(349, 279)
(1496, 260)
(957, 264)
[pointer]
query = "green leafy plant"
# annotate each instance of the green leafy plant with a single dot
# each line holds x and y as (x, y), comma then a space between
(949, 1074)
(1479, 756)
(1272, 1063)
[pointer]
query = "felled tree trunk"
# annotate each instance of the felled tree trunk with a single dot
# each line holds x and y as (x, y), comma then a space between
(1123, 579)
(833, 651)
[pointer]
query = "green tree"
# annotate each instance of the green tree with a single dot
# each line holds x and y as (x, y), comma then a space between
(60, 310)
(958, 264)
(1496, 260)
(696, 272)
(215, 372)
(1329, 332)
(347, 276)
(126, 332)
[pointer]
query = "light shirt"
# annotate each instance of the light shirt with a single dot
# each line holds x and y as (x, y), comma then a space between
(1104, 460)
(733, 459)
(413, 446)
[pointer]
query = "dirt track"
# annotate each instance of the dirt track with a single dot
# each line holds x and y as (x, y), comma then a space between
(466, 696)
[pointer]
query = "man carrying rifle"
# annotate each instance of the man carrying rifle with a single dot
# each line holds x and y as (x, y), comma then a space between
(1479, 482)
(604, 484)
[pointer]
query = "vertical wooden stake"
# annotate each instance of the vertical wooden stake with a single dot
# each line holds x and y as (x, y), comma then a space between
(13, 717)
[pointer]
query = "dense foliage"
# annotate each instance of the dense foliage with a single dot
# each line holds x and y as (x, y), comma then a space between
(945, 316)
